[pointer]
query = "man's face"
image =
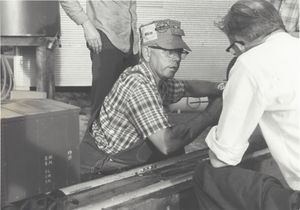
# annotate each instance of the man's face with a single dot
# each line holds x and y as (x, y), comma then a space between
(165, 63)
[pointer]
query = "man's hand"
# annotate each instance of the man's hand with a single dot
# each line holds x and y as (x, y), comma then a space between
(92, 37)
(214, 109)
(214, 161)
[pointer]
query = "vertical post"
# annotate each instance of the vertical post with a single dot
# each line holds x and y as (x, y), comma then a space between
(41, 73)
(45, 71)
(50, 64)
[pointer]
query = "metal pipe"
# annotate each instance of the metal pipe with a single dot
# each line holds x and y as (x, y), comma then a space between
(3, 69)
(139, 171)
(138, 193)
(10, 76)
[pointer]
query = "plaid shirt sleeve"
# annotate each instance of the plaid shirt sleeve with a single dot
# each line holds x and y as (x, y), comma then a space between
(289, 12)
(172, 91)
(146, 110)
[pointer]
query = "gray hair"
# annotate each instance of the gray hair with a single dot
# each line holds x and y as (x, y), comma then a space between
(251, 19)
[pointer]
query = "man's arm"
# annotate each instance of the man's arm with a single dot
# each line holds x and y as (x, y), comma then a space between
(171, 139)
(202, 88)
(215, 161)
(74, 10)
(243, 107)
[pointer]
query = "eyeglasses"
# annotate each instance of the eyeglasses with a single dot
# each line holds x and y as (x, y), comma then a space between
(181, 53)
(228, 49)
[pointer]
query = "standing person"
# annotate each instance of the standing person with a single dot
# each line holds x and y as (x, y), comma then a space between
(289, 13)
(110, 30)
(132, 127)
(263, 89)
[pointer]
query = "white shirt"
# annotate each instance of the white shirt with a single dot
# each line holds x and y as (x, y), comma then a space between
(264, 89)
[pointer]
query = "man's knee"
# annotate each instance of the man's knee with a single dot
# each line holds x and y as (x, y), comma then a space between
(199, 173)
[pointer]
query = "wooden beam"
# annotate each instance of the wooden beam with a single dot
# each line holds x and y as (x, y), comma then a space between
(50, 69)
(41, 68)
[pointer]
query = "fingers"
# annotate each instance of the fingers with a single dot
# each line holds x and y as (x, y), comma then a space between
(99, 46)
(95, 45)
(92, 36)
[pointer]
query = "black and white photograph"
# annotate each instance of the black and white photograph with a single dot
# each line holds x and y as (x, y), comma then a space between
(150, 105)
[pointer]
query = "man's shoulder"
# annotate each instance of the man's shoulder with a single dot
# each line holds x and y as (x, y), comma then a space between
(134, 75)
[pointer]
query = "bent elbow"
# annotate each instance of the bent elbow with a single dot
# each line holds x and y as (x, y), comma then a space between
(163, 141)
(165, 150)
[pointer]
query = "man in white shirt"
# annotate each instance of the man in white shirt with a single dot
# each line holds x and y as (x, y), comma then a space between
(263, 89)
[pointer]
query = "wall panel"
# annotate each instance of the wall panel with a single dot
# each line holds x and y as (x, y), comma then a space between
(208, 59)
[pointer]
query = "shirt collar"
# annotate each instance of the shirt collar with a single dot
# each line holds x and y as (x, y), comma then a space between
(148, 73)
(273, 36)
(277, 35)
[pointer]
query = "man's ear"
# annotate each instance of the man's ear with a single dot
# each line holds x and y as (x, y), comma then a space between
(240, 46)
(146, 53)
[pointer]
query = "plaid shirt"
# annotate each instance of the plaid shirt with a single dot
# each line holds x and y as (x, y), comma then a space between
(134, 109)
(289, 12)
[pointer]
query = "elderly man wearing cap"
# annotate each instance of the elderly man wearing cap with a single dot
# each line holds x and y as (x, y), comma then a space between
(132, 127)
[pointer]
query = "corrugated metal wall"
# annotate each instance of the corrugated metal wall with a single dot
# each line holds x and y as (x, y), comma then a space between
(72, 59)
(208, 59)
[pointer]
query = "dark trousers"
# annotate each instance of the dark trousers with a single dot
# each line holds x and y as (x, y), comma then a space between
(95, 163)
(235, 188)
(106, 68)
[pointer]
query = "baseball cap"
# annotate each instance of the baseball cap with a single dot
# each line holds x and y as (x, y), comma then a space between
(165, 33)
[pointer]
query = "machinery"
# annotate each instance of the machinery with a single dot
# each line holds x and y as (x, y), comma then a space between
(30, 31)
(39, 137)
(39, 148)
(29, 18)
